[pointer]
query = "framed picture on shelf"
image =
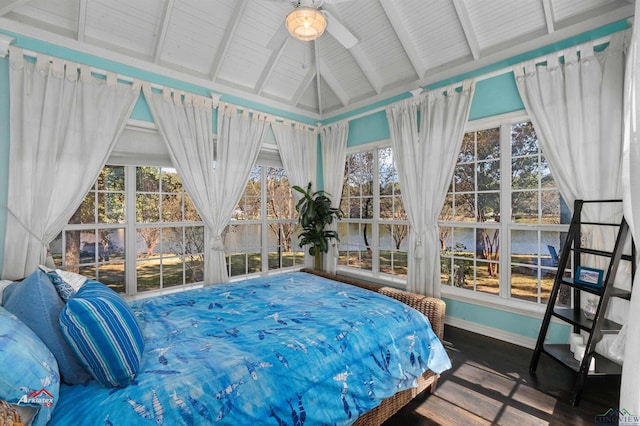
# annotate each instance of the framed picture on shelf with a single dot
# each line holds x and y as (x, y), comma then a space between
(589, 276)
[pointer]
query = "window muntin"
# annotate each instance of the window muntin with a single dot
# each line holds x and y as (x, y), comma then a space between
(374, 230)
(357, 206)
(168, 237)
(502, 199)
(470, 251)
(535, 203)
(169, 251)
(282, 220)
(93, 242)
(261, 235)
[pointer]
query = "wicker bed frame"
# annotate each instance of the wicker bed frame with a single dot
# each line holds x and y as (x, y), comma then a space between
(434, 309)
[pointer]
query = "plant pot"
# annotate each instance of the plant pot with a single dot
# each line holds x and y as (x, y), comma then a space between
(317, 262)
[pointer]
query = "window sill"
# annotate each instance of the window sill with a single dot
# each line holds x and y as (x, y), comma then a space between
(475, 298)
(494, 302)
(163, 291)
(372, 277)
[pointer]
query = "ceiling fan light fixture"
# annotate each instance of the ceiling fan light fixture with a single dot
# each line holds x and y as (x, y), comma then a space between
(306, 23)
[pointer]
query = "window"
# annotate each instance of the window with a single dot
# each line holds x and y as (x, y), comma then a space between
(374, 231)
(141, 210)
(536, 211)
(471, 247)
(502, 199)
(169, 234)
(265, 213)
(93, 244)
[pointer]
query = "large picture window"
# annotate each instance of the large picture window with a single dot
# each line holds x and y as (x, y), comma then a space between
(374, 230)
(503, 222)
(261, 236)
(169, 233)
(93, 243)
(136, 230)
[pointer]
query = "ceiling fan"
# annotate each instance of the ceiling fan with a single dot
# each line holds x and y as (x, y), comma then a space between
(308, 21)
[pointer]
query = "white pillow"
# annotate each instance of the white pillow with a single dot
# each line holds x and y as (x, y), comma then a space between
(3, 284)
(66, 283)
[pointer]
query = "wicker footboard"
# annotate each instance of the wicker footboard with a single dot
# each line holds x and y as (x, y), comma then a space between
(434, 309)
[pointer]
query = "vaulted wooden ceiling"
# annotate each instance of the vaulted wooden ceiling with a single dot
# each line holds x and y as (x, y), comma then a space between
(241, 48)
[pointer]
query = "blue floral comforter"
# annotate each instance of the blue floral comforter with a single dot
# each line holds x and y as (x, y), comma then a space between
(292, 349)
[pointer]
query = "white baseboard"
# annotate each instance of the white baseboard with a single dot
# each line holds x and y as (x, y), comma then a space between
(516, 339)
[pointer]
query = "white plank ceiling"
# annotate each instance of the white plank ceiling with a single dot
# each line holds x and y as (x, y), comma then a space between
(241, 48)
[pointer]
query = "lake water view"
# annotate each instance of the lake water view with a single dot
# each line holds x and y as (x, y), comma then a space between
(523, 242)
(248, 237)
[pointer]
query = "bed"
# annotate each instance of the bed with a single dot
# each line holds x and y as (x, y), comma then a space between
(292, 349)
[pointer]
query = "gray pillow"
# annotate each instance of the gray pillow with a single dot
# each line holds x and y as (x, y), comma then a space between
(36, 303)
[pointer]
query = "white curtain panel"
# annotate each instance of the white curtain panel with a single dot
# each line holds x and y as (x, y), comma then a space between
(426, 135)
(576, 109)
(240, 135)
(214, 174)
(630, 385)
(334, 154)
(185, 124)
(298, 146)
(64, 123)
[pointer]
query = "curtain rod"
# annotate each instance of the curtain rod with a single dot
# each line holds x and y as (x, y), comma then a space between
(5, 42)
(560, 53)
(274, 118)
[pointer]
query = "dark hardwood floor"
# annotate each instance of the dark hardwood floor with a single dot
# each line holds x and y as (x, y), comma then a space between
(490, 383)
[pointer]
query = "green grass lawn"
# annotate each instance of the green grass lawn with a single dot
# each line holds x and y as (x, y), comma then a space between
(524, 282)
(171, 272)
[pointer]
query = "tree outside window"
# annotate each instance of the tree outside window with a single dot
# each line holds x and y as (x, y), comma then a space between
(496, 164)
(374, 229)
(261, 235)
(169, 237)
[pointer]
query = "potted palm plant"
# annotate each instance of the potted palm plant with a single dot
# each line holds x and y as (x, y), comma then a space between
(314, 214)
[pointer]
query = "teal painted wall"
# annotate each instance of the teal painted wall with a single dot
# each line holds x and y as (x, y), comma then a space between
(141, 110)
(493, 96)
(370, 128)
(521, 325)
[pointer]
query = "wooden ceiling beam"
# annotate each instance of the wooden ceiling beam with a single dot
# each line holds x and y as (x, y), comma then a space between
(158, 45)
(548, 15)
(82, 20)
(304, 86)
(316, 51)
(228, 38)
(467, 27)
(334, 83)
(391, 10)
(270, 66)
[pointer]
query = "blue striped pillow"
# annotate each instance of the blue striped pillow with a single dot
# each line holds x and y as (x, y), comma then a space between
(103, 333)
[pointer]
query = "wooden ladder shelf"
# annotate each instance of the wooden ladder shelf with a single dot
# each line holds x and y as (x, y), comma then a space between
(592, 330)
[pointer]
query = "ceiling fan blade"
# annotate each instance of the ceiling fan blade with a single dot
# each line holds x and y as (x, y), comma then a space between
(319, 3)
(339, 31)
